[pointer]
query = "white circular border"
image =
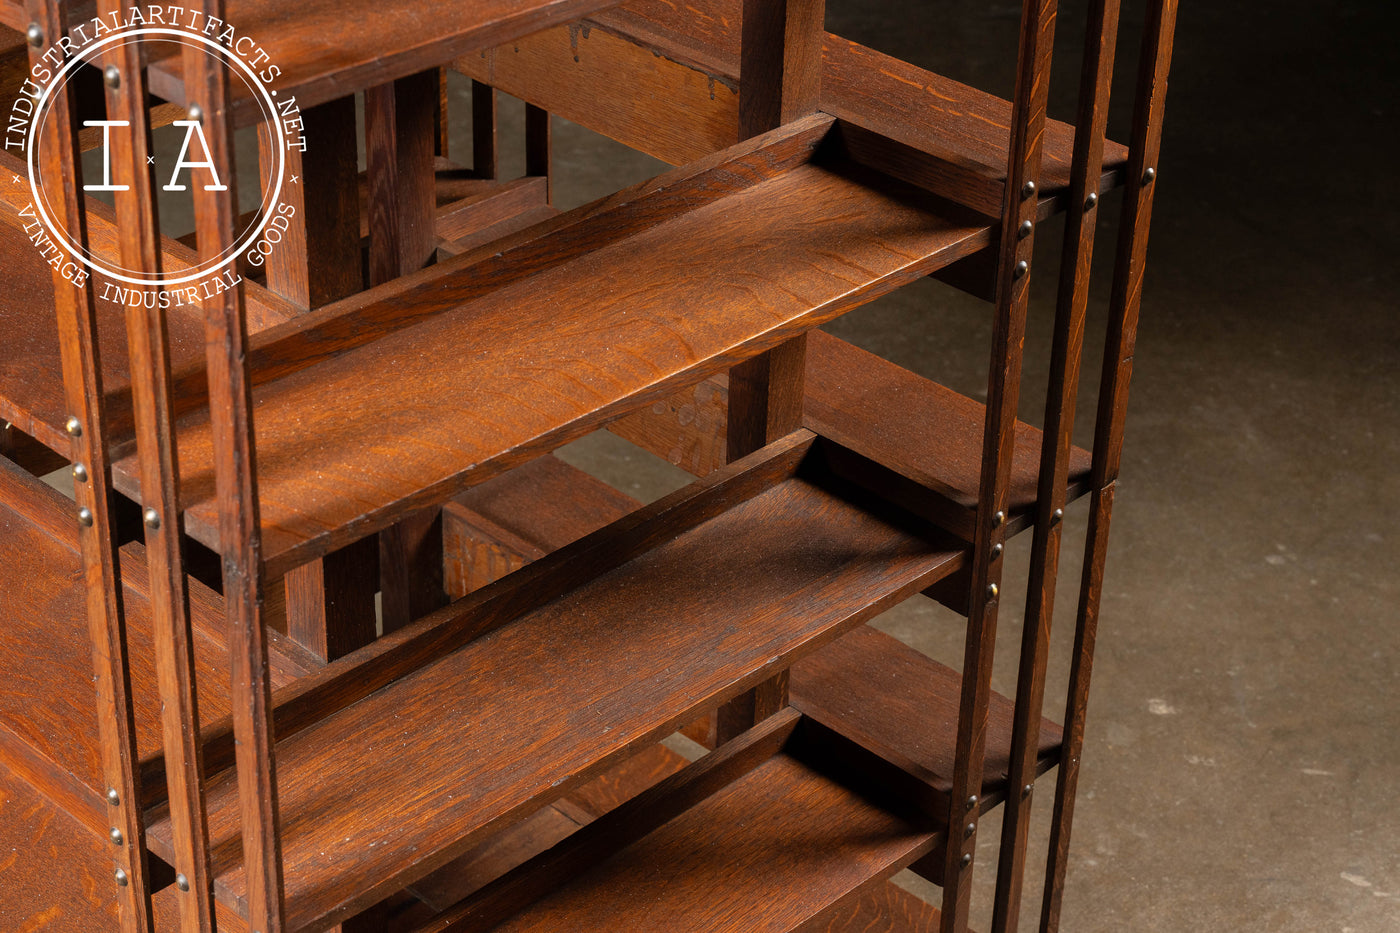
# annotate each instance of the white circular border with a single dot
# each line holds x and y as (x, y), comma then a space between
(198, 272)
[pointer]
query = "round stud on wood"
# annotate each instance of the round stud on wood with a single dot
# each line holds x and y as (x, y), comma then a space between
(182, 882)
(1027, 228)
(1022, 268)
(35, 35)
(998, 519)
(972, 802)
(992, 591)
(112, 77)
(113, 797)
(996, 550)
(80, 472)
(1059, 515)
(966, 860)
(1028, 190)
(969, 830)
(73, 426)
(117, 837)
(1148, 176)
(122, 879)
(1026, 791)
(85, 517)
(1091, 201)
(151, 517)
(196, 113)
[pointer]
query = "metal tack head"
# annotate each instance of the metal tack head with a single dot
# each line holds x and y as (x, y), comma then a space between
(1059, 515)
(113, 797)
(73, 426)
(117, 837)
(996, 550)
(35, 35)
(969, 830)
(1026, 229)
(1148, 175)
(1022, 268)
(122, 879)
(966, 860)
(1091, 201)
(972, 802)
(85, 517)
(1028, 189)
(997, 519)
(196, 113)
(1026, 791)
(112, 77)
(151, 517)
(992, 591)
(80, 472)
(182, 882)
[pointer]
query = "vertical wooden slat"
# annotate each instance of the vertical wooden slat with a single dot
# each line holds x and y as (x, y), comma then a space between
(330, 601)
(1066, 351)
(538, 146)
(148, 342)
(1003, 391)
(484, 161)
(61, 169)
(1125, 303)
(779, 81)
(318, 260)
(399, 132)
(231, 429)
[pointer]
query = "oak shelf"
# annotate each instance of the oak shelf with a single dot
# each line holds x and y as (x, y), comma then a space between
(505, 723)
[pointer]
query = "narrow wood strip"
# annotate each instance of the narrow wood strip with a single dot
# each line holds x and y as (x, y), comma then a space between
(231, 434)
(998, 444)
(1096, 79)
(60, 171)
(484, 143)
(1125, 302)
(149, 349)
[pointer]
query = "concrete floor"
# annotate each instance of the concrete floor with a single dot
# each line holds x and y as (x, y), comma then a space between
(1242, 770)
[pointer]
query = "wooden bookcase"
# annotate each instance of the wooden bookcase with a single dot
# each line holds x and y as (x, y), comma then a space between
(206, 722)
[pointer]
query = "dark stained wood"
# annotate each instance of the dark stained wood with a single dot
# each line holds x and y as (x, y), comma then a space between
(875, 408)
(76, 314)
(1015, 251)
(48, 703)
(235, 478)
(331, 48)
(149, 347)
(57, 874)
(538, 144)
(814, 565)
(902, 707)
(1125, 302)
(31, 394)
(499, 526)
(318, 260)
(775, 825)
(675, 329)
(1067, 348)
(330, 601)
(484, 145)
(495, 204)
(780, 69)
(27, 453)
(687, 72)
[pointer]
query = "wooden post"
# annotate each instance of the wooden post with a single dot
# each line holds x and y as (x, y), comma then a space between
(399, 140)
(1003, 391)
(779, 81)
(61, 168)
(1068, 342)
(1125, 302)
